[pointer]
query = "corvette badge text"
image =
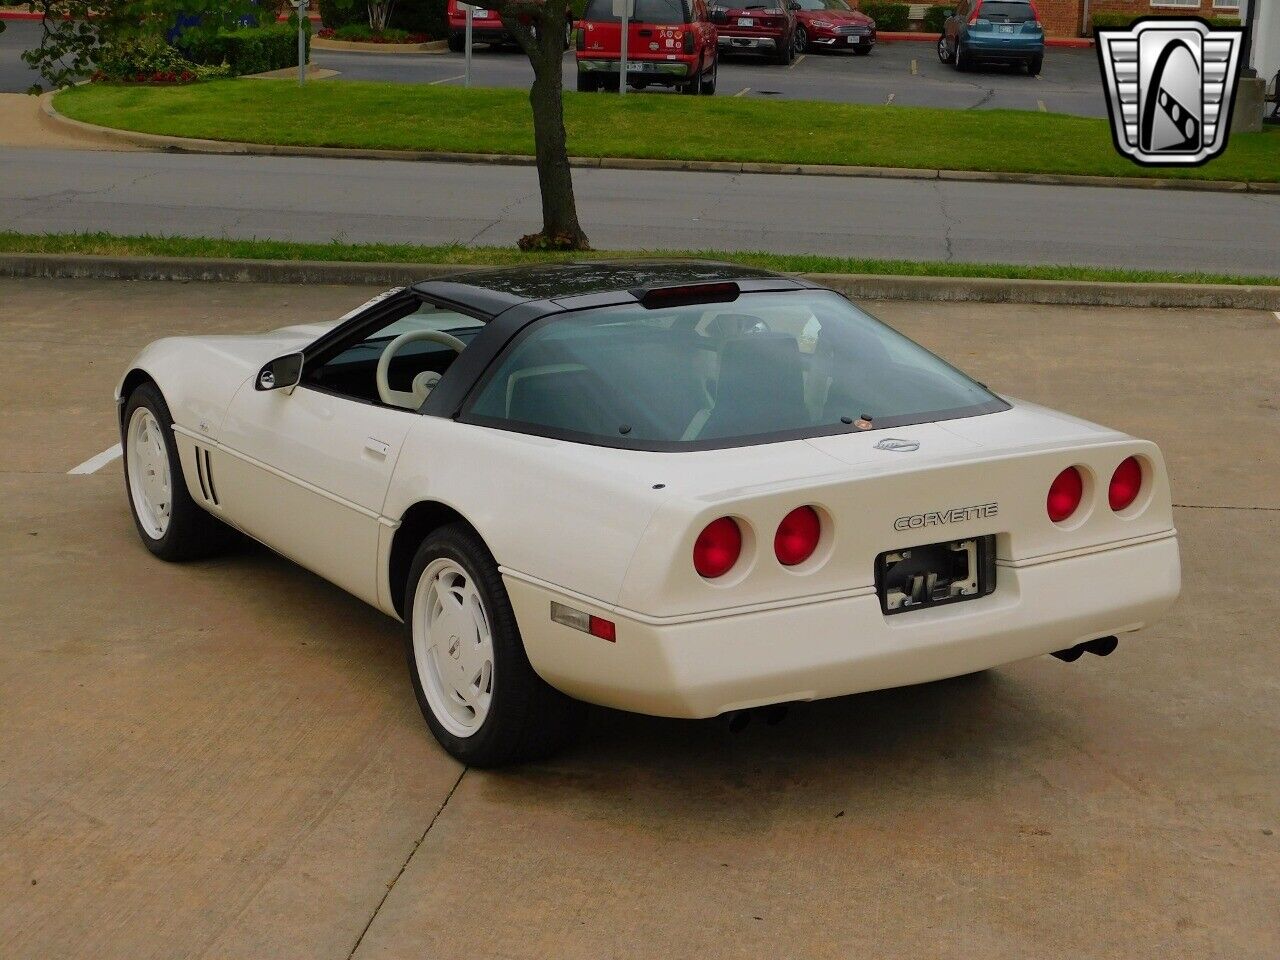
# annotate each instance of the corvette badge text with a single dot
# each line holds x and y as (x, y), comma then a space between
(1171, 83)
(941, 517)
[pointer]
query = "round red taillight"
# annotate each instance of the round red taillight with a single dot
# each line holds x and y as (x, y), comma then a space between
(717, 548)
(1126, 483)
(1065, 494)
(797, 536)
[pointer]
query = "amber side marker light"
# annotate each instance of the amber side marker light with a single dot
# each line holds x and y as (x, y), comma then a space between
(586, 622)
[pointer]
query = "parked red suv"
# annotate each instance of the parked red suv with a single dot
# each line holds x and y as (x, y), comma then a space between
(759, 26)
(669, 43)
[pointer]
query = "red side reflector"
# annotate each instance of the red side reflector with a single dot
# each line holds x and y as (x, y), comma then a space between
(604, 629)
(654, 297)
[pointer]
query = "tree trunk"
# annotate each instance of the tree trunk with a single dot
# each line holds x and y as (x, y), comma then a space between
(545, 49)
(555, 177)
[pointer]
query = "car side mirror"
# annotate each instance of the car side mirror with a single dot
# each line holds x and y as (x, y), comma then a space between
(281, 373)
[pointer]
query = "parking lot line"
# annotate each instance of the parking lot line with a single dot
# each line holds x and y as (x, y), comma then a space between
(889, 101)
(96, 463)
(1278, 314)
(794, 63)
(742, 91)
(432, 83)
(915, 66)
(1043, 108)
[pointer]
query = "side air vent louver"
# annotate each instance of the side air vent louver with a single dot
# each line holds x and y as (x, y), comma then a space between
(204, 467)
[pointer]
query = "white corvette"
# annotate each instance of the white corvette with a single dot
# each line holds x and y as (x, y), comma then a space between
(680, 489)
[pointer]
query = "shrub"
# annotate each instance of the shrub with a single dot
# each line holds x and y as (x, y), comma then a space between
(1107, 19)
(247, 50)
(341, 13)
(421, 16)
(936, 17)
(360, 33)
(150, 60)
(888, 16)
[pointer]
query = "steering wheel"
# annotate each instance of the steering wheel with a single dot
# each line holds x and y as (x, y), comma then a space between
(424, 381)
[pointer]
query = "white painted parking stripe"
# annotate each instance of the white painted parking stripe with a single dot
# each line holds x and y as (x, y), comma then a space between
(1043, 108)
(1278, 314)
(446, 79)
(742, 91)
(889, 101)
(94, 464)
(915, 66)
(794, 63)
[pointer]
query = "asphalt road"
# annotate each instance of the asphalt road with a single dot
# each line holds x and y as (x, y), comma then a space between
(15, 75)
(225, 760)
(293, 198)
(903, 73)
(906, 73)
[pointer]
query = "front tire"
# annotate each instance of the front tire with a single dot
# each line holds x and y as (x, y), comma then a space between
(944, 51)
(171, 524)
(478, 693)
(801, 40)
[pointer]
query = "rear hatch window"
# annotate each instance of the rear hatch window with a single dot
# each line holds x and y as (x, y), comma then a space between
(647, 11)
(1003, 11)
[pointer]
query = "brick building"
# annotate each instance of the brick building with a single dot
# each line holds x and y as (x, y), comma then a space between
(1071, 18)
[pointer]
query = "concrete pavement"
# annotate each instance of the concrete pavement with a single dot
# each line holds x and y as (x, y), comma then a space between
(225, 759)
(297, 198)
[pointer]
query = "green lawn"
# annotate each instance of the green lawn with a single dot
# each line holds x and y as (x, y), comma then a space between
(105, 244)
(420, 117)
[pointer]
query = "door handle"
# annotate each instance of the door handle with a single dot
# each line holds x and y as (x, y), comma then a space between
(376, 447)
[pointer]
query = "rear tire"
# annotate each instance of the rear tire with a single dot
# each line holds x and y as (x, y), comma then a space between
(709, 83)
(694, 87)
(958, 59)
(457, 42)
(786, 51)
(478, 693)
(171, 524)
(1034, 65)
(588, 83)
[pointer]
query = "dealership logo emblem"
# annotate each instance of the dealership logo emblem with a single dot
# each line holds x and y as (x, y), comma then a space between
(1171, 84)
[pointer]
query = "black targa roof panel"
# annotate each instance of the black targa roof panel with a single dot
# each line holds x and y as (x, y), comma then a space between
(493, 290)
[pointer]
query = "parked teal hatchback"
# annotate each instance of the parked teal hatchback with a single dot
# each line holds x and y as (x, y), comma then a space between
(1003, 31)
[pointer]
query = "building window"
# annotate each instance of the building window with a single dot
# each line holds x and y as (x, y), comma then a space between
(1226, 4)
(1176, 3)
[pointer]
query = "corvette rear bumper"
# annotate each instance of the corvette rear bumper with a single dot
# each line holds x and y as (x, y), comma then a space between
(707, 666)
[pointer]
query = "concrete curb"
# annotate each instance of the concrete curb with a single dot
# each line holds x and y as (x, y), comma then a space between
(921, 36)
(856, 286)
(153, 141)
(348, 46)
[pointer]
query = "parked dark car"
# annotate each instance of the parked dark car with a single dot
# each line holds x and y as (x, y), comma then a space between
(670, 43)
(999, 31)
(486, 27)
(832, 25)
(757, 26)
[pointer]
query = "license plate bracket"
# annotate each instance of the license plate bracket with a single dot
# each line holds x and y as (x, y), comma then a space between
(934, 574)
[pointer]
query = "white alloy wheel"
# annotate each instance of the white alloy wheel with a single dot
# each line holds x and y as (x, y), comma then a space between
(150, 482)
(453, 647)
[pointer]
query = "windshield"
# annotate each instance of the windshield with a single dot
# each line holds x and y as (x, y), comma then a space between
(768, 366)
(823, 5)
(647, 11)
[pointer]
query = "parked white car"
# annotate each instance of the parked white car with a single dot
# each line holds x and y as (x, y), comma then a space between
(681, 489)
